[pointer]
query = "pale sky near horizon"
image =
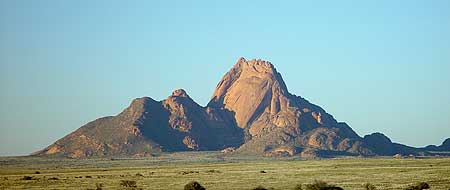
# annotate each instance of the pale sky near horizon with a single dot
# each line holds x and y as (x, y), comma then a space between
(381, 65)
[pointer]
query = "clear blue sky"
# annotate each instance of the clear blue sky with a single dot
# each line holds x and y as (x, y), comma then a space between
(377, 65)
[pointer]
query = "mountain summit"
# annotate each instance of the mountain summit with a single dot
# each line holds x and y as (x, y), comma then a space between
(276, 122)
(251, 109)
(250, 89)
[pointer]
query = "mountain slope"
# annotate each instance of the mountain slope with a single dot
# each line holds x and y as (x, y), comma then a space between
(108, 136)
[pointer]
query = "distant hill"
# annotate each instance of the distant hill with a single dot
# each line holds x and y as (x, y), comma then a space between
(251, 112)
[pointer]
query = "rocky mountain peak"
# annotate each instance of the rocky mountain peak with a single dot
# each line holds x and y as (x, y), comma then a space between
(255, 65)
(446, 143)
(250, 89)
(138, 105)
(140, 101)
(378, 137)
(180, 93)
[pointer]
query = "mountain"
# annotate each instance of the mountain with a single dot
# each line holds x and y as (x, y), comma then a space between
(251, 109)
(445, 146)
(276, 122)
(149, 127)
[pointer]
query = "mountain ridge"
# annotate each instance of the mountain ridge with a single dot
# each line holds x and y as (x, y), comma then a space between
(251, 111)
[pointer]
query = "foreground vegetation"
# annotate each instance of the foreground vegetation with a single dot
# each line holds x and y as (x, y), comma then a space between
(217, 171)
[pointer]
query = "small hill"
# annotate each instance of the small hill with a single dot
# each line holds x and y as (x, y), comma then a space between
(445, 146)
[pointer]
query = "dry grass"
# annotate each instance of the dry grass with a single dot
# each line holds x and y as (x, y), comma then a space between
(232, 173)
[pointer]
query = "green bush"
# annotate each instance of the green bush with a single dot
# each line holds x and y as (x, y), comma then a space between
(418, 186)
(369, 186)
(319, 185)
(193, 185)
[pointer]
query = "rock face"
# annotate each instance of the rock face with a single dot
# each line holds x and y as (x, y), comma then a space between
(251, 109)
(252, 89)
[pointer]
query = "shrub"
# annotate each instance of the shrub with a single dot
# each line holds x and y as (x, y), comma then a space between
(189, 172)
(37, 172)
(193, 185)
(128, 183)
(418, 186)
(320, 185)
(261, 188)
(27, 178)
(369, 186)
(298, 187)
(98, 186)
(213, 171)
